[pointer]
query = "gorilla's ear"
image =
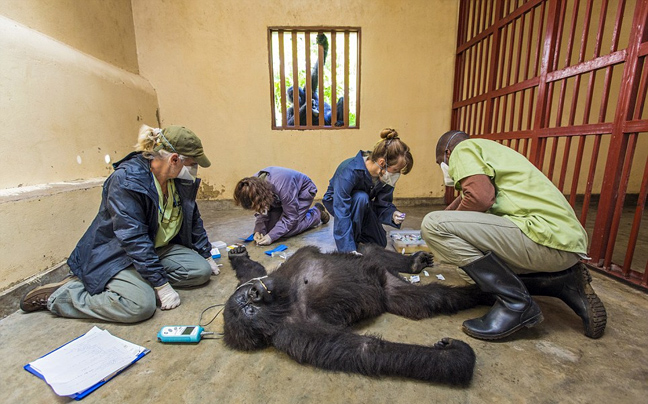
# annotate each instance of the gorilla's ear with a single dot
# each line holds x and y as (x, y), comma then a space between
(245, 268)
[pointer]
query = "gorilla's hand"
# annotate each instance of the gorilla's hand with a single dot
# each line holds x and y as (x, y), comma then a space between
(239, 251)
(420, 260)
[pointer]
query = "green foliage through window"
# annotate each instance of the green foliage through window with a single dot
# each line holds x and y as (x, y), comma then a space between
(341, 50)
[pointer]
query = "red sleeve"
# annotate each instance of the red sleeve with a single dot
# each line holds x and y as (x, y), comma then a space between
(478, 193)
(454, 204)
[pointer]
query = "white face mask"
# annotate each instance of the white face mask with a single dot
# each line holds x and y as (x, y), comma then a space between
(447, 179)
(390, 178)
(187, 173)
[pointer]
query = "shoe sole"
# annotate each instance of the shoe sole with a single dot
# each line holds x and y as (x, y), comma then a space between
(324, 215)
(596, 312)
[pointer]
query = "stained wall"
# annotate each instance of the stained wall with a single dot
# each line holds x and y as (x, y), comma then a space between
(71, 102)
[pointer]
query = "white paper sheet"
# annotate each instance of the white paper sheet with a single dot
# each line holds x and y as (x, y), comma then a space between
(86, 361)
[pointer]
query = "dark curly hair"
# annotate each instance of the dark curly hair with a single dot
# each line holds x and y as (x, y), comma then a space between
(253, 193)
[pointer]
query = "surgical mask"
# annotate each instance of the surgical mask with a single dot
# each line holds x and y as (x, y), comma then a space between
(389, 178)
(188, 173)
(386, 177)
(447, 179)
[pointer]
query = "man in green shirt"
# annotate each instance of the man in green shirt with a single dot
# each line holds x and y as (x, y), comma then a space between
(513, 233)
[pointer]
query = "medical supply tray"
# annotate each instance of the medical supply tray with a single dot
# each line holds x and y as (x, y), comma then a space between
(408, 241)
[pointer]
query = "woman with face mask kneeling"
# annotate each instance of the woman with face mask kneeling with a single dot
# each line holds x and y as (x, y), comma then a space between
(147, 238)
(361, 192)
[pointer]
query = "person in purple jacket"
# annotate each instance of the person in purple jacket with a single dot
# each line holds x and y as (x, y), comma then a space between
(282, 200)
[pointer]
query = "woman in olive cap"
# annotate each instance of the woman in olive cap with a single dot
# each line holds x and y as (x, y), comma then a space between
(147, 238)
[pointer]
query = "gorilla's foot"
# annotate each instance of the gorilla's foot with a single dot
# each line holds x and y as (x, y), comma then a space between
(460, 362)
(444, 343)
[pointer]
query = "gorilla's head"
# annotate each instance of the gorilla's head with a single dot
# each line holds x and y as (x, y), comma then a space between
(253, 313)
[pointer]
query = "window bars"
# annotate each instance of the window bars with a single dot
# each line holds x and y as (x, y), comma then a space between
(318, 70)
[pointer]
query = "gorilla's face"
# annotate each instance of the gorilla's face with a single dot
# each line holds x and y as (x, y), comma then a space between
(251, 295)
(243, 315)
(252, 314)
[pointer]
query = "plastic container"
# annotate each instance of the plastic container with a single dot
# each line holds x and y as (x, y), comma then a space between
(408, 241)
(218, 244)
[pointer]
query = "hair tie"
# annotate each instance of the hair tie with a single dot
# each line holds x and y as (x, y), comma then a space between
(156, 135)
(388, 141)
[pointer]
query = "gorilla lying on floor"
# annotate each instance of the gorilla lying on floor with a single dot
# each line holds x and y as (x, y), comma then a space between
(305, 308)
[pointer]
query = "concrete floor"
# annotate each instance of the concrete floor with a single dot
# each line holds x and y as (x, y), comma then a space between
(550, 363)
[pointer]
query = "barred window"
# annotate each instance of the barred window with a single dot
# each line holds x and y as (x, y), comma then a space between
(318, 70)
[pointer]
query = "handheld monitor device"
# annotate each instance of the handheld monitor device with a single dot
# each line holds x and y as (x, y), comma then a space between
(181, 333)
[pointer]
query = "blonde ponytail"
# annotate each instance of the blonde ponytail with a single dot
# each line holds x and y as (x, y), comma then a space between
(147, 138)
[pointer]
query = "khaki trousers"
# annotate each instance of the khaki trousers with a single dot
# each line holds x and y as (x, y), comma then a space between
(461, 237)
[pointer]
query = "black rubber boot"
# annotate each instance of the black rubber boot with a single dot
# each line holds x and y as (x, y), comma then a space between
(513, 309)
(572, 286)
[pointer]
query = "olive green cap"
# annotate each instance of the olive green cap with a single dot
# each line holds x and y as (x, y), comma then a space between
(178, 139)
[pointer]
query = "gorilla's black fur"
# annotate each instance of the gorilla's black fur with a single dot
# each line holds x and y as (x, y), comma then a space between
(305, 308)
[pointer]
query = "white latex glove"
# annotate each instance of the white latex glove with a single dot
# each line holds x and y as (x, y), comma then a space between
(169, 298)
(265, 240)
(258, 236)
(214, 266)
(398, 217)
(356, 253)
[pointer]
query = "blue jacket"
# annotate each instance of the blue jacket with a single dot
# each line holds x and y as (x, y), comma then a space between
(123, 232)
(352, 176)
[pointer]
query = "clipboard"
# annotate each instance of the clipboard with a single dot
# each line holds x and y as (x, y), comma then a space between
(84, 393)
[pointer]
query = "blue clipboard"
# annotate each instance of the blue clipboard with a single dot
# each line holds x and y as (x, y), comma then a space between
(82, 394)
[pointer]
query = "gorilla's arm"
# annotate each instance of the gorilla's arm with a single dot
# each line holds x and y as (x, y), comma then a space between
(448, 361)
(395, 262)
(321, 40)
(340, 112)
(245, 268)
(417, 302)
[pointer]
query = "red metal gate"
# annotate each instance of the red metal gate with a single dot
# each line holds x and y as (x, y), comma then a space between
(563, 82)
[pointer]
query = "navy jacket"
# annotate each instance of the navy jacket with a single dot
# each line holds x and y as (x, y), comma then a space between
(352, 176)
(123, 232)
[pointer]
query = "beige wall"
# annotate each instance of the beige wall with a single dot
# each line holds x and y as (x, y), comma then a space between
(70, 95)
(62, 112)
(208, 61)
(101, 28)
(66, 111)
